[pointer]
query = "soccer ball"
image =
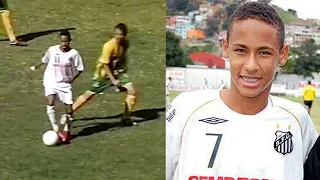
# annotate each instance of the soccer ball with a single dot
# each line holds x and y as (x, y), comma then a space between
(50, 138)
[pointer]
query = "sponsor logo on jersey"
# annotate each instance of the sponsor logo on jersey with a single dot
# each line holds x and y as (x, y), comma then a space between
(283, 143)
(223, 178)
(213, 120)
(171, 113)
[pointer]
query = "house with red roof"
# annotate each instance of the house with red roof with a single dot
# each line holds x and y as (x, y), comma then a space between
(208, 59)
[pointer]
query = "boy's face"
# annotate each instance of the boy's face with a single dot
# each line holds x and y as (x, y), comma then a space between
(65, 42)
(253, 50)
(119, 35)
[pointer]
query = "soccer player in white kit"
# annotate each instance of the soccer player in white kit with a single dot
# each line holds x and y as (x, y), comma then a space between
(64, 65)
(241, 133)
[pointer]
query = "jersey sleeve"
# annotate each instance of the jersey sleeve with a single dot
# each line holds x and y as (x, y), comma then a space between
(78, 62)
(45, 59)
(312, 165)
(309, 133)
(106, 53)
(175, 119)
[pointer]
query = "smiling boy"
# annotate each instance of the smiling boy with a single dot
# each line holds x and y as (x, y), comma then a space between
(242, 132)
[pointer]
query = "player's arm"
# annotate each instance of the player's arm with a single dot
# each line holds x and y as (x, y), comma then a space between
(125, 57)
(312, 165)
(105, 59)
(309, 133)
(45, 59)
(111, 75)
(175, 119)
(78, 64)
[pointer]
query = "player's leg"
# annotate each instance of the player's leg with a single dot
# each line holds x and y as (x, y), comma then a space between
(306, 104)
(98, 86)
(51, 110)
(82, 99)
(310, 105)
(7, 23)
(65, 95)
(130, 101)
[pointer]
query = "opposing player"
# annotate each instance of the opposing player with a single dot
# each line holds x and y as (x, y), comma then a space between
(7, 22)
(241, 132)
(111, 70)
(64, 65)
(309, 93)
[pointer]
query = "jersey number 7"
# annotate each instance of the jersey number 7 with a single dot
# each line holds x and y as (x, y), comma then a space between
(215, 149)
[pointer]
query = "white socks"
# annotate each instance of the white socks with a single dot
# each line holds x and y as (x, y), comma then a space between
(52, 118)
(65, 121)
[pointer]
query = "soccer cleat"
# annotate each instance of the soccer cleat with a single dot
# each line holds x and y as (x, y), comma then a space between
(68, 136)
(62, 137)
(128, 122)
(18, 43)
(65, 136)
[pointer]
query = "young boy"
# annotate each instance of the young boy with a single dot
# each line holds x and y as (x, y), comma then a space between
(64, 66)
(241, 132)
(111, 70)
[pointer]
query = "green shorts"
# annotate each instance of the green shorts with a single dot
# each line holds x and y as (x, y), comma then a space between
(104, 83)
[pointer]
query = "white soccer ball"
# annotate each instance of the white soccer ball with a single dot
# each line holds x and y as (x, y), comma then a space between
(50, 138)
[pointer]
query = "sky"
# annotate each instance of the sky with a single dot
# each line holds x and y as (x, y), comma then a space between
(305, 8)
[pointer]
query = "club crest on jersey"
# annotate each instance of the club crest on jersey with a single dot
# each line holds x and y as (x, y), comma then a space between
(213, 120)
(283, 143)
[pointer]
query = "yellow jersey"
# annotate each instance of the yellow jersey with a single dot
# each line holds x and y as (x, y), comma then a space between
(309, 93)
(113, 55)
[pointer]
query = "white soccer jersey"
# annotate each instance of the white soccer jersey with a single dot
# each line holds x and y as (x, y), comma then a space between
(62, 66)
(206, 140)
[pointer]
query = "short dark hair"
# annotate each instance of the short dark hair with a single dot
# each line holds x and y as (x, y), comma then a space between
(122, 27)
(65, 33)
(309, 82)
(259, 11)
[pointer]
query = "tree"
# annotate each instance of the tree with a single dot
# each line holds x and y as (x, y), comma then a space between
(304, 59)
(181, 5)
(168, 12)
(213, 27)
(231, 8)
(175, 56)
(225, 24)
(289, 67)
(191, 7)
(293, 12)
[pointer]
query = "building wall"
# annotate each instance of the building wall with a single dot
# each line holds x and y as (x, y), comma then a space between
(181, 30)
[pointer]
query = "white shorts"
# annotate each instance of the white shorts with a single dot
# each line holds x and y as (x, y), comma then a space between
(62, 91)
